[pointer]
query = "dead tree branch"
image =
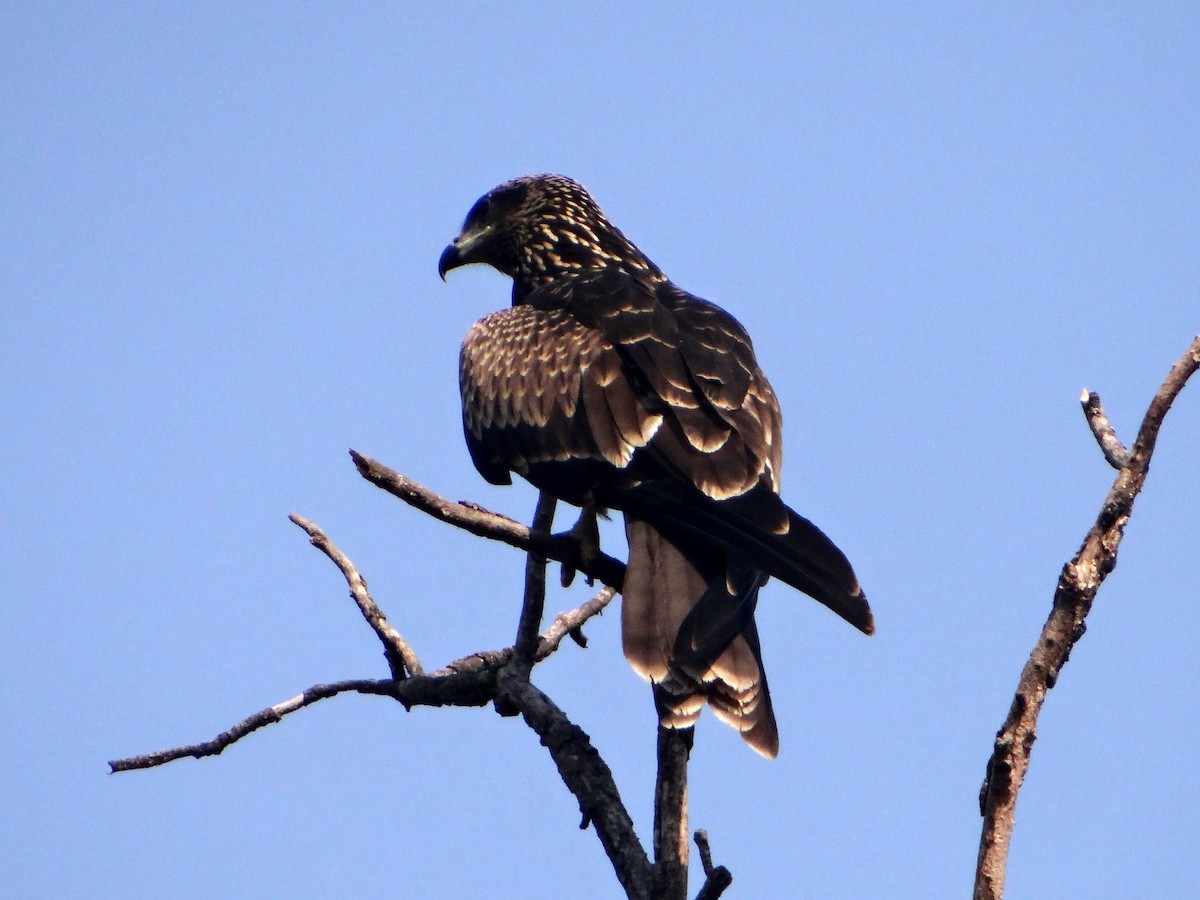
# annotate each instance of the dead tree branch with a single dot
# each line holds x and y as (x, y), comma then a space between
(268, 716)
(588, 777)
(581, 767)
(400, 656)
(716, 878)
(534, 605)
(469, 681)
(1077, 587)
(671, 812)
(479, 521)
(500, 677)
(1110, 445)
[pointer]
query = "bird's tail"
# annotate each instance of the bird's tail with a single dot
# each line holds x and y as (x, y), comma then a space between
(687, 621)
(759, 527)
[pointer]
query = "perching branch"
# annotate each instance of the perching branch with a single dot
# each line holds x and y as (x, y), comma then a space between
(479, 521)
(671, 812)
(1077, 587)
(525, 644)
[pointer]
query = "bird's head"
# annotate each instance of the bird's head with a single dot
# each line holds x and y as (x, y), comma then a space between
(538, 228)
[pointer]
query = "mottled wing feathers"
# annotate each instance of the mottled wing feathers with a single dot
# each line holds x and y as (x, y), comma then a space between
(694, 362)
(718, 349)
(597, 368)
(539, 387)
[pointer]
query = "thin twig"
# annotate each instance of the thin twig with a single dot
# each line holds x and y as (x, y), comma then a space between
(402, 660)
(570, 623)
(716, 878)
(479, 521)
(565, 623)
(1077, 586)
(1110, 445)
(268, 716)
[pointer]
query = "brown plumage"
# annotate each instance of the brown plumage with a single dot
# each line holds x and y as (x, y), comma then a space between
(609, 387)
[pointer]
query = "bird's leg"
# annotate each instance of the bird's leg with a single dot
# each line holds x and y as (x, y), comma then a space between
(585, 534)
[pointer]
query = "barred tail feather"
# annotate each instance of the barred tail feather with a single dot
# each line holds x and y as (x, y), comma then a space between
(688, 627)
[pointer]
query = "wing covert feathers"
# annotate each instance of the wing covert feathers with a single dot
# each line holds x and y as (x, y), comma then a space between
(538, 387)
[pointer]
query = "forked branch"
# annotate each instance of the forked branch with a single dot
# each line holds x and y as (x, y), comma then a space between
(469, 681)
(1077, 587)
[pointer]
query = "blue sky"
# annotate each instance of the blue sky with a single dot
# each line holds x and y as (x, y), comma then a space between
(219, 229)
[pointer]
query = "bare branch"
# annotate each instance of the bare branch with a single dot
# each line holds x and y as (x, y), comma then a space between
(534, 604)
(550, 640)
(580, 766)
(1110, 445)
(479, 521)
(716, 878)
(1077, 587)
(570, 623)
(671, 813)
(400, 656)
(469, 688)
(268, 716)
(588, 777)
(520, 664)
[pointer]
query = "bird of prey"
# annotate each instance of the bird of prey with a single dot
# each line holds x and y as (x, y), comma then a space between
(609, 387)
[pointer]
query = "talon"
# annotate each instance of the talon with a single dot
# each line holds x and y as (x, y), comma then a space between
(586, 535)
(566, 575)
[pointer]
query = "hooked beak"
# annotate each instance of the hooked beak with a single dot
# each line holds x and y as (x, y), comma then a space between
(450, 259)
(467, 248)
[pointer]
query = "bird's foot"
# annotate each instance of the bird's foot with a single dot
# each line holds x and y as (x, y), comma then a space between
(585, 536)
